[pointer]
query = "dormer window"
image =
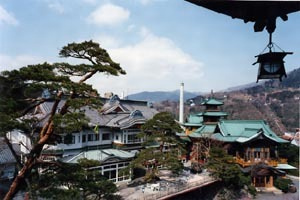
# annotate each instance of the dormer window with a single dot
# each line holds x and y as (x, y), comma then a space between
(136, 113)
(114, 98)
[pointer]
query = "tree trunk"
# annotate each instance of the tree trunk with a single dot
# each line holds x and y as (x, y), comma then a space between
(35, 152)
(19, 164)
(45, 134)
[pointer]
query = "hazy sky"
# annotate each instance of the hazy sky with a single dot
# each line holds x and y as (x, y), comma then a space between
(160, 43)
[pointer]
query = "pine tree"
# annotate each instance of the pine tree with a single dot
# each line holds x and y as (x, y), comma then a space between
(75, 181)
(21, 89)
(160, 133)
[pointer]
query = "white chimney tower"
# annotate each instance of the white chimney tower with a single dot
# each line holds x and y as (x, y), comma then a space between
(122, 95)
(181, 104)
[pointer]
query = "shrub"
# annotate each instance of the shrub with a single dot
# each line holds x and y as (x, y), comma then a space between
(252, 190)
(283, 184)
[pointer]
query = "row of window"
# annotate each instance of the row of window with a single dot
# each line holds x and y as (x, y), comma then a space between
(89, 137)
(95, 137)
(70, 139)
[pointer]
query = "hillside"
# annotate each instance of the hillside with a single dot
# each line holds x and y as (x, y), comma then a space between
(273, 101)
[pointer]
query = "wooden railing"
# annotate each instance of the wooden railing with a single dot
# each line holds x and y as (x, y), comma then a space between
(270, 162)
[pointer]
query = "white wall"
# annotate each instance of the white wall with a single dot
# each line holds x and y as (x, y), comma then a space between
(78, 139)
(17, 137)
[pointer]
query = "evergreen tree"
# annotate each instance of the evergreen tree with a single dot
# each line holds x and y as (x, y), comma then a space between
(222, 167)
(75, 181)
(20, 94)
(162, 147)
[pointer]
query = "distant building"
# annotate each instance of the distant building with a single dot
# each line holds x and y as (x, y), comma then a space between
(111, 137)
(251, 142)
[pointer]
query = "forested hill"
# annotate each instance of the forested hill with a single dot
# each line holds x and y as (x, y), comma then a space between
(293, 79)
(274, 101)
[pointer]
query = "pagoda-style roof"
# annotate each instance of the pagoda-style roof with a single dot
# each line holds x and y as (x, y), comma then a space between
(194, 120)
(215, 114)
(203, 131)
(212, 101)
(243, 131)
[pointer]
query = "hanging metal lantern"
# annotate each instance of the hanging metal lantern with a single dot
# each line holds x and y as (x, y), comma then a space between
(271, 65)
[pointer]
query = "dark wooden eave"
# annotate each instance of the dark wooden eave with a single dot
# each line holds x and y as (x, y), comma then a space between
(262, 13)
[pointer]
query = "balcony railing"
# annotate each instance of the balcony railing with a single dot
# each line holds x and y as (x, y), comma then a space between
(270, 162)
(134, 141)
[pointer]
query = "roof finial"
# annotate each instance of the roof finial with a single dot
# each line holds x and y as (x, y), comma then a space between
(212, 94)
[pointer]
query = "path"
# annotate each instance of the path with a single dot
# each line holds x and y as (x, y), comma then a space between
(168, 187)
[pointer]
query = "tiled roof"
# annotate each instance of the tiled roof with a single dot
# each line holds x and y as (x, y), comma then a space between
(203, 131)
(108, 116)
(193, 120)
(245, 130)
(99, 155)
(285, 166)
(212, 101)
(216, 114)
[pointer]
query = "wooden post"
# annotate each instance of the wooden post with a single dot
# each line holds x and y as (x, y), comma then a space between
(271, 181)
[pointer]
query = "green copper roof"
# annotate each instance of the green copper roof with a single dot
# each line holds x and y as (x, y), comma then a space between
(212, 101)
(194, 120)
(203, 131)
(219, 136)
(216, 114)
(189, 124)
(185, 139)
(245, 130)
(285, 166)
(181, 134)
(100, 155)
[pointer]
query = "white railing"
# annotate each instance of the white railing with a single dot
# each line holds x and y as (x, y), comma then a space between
(179, 188)
(134, 141)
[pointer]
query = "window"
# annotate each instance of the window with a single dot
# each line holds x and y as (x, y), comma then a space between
(133, 139)
(93, 137)
(90, 137)
(69, 139)
(83, 138)
(97, 137)
(106, 136)
(117, 137)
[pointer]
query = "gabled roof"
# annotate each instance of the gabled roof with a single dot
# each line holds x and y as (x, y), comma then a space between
(203, 131)
(126, 121)
(99, 155)
(114, 113)
(212, 101)
(113, 105)
(245, 130)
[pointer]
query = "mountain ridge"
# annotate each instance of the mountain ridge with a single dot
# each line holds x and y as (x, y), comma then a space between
(157, 96)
